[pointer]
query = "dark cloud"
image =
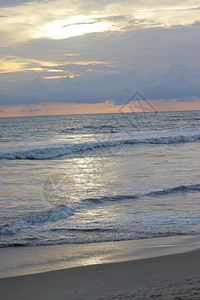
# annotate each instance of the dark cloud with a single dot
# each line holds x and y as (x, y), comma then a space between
(34, 110)
(101, 19)
(178, 81)
(142, 49)
(31, 110)
(186, 99)
(80, 69)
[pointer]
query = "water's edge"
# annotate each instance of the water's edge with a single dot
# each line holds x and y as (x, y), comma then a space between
(31, 260)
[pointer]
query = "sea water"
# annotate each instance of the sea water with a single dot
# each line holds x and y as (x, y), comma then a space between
(96, 178)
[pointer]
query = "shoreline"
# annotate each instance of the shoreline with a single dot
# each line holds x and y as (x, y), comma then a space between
(175, 276)
(41, 259)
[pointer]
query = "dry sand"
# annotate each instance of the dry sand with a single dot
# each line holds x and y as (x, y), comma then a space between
(168, 277)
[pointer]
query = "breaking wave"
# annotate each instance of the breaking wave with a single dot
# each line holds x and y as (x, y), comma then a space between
(63, 212)
(56, 150)
(51, 215)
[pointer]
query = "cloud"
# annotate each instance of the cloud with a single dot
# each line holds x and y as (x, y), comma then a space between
(102, 107)
(177, 81)
(151, 47)
(186, 99)
(11, 3)
(104, 66)
(141, 50)
(34, 110)
(1, 111)
(25, 20)
(26, 110)
(134, 49)
(98, 19)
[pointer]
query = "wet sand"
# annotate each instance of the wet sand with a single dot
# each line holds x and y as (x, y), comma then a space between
(175, 276)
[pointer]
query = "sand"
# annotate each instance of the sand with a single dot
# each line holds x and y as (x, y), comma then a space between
(175, 276)
(29, 260)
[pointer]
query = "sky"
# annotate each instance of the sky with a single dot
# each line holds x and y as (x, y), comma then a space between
(73, 56)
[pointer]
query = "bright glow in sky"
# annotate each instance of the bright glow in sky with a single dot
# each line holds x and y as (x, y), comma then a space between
(86, 51)
(75, 26)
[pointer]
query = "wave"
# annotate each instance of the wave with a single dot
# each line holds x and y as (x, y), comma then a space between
(102, 128)
(63, 212)
(56, 150)
(111, 198)
(14, 245)
(81, 229)
(51, 215)
(177, 189)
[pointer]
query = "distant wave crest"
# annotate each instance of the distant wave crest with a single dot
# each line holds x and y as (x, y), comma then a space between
(92, 128)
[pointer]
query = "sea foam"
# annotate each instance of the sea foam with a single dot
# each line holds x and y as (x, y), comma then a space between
(41, 152)
(51, 215)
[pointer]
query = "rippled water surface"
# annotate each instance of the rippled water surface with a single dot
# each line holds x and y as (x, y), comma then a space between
(91, 178)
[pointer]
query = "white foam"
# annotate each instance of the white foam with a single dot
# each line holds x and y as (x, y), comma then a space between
(55, 150)
(51, 215)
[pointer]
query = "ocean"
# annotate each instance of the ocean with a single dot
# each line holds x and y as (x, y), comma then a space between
(77, 179)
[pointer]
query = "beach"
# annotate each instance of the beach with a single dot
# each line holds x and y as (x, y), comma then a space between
(108, 209)
(99, 150)
(165, 268)
(167, 277)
